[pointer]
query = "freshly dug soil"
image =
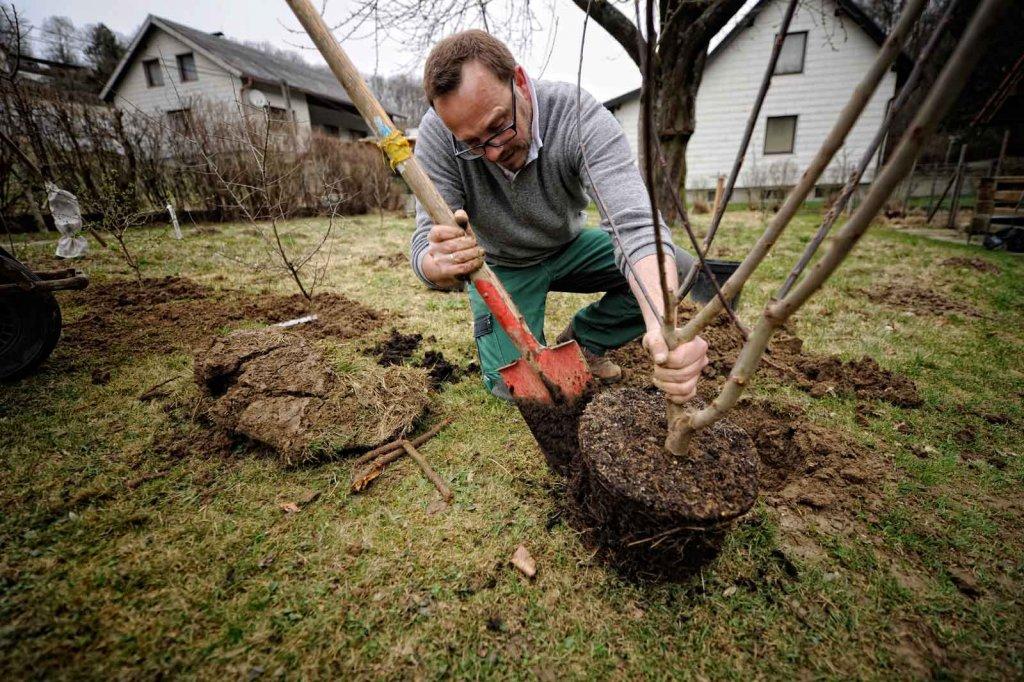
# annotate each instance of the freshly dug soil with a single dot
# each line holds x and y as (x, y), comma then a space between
(440, 370)
(125, 318)
(652, 515)
(920, 301)
(979, 264)
(862, 378)
(274, 387)
(556, 429)
(786, 360)
(395, 349)
(799, 462)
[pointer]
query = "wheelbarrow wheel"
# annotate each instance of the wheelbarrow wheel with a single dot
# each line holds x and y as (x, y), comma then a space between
(29, 323)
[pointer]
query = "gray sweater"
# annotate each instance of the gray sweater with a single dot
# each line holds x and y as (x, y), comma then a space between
(524, 220)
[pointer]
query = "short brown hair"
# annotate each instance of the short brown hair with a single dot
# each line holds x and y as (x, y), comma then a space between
(443, 71)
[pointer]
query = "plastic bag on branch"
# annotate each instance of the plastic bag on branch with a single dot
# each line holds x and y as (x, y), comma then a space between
(67, 216)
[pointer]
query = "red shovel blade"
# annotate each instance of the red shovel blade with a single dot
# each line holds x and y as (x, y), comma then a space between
(563, 367)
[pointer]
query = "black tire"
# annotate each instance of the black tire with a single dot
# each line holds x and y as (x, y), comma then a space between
(29, 323)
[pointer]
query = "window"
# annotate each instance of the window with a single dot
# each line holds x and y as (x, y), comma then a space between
(187, 67)
(791, 57)
(154, 76)
(180, 121)
(277, 118)
(779, 134)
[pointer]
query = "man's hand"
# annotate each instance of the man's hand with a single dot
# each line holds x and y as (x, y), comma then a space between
(676, 372)
(453, 253)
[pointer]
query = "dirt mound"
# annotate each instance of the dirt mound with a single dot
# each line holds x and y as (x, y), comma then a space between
(799, 460)
(124, 317)
(862, 378)
(979, 264)
(555, 427)
(919, 301)
(274, 387)
(786, 360)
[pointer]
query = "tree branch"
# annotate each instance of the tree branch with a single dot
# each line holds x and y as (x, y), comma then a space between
(616, 24)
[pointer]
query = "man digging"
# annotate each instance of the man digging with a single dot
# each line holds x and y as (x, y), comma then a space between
(506, 150)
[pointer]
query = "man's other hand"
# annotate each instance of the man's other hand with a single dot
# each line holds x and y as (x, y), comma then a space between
(453, 253)
(676, 372)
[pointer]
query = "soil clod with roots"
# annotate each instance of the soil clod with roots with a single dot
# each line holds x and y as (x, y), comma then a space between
(276, 388)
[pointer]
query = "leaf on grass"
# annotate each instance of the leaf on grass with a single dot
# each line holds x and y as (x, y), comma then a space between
(523, 562)
(729, 591)
(362, 480)
(289, 508)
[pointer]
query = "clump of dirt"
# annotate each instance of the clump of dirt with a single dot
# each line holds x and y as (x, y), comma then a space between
(555, 427)
(399, 347)
(862, 378)
(785, 360)
(439, 369)
(919, 300)
(979, 264)
(395, 349)
(272, 386)
(126, 318)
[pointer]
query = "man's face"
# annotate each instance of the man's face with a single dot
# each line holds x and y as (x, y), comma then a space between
(481, 106)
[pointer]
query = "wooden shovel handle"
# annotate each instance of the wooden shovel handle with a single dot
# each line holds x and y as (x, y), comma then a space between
(496, 297)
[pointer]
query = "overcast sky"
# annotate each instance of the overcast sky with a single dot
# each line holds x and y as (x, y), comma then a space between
(607, 71)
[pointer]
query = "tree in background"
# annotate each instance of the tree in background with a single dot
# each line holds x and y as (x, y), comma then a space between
(103, 50)
(14, 32)
(61, 40)
(402, 93)
(686, 28)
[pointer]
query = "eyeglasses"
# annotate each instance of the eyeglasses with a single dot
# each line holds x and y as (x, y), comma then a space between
(497, 140)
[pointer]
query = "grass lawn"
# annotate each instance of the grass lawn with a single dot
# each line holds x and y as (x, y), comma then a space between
(119, 559)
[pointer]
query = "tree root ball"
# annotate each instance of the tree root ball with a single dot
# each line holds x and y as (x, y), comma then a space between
(635, 492)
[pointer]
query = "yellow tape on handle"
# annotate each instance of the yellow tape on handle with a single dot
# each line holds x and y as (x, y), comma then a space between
(397, 148)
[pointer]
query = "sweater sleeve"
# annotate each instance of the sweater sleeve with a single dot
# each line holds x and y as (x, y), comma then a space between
(433, 151)
(614, 177)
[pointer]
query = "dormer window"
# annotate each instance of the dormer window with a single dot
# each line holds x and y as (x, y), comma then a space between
(791, 58)
(187, 67)
(154, 76)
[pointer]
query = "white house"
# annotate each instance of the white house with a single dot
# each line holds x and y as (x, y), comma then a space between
(828, 48)
(170, 67)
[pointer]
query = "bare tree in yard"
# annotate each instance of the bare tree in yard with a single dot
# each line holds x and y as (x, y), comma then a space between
(250, 155)
(61, 38)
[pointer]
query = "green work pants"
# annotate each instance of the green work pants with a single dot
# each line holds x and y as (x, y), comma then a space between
(585, 265)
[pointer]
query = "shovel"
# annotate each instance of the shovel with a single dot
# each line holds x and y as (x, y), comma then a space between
(557, 375)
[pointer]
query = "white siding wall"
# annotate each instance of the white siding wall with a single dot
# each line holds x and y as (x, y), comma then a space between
(838, 54)
(214, 84)
(133, 93)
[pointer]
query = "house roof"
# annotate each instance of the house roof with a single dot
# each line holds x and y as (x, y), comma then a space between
(238, 59)
(850, 8)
